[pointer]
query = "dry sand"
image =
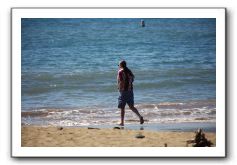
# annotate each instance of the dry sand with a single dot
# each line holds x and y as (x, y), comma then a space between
(84, 137)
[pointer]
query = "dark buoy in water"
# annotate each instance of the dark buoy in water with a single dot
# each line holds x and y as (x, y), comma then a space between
(142, 23)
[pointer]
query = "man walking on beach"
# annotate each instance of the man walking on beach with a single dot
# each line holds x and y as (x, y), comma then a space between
(125, 79)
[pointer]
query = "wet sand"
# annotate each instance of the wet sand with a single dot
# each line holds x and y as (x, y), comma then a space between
(35, 136)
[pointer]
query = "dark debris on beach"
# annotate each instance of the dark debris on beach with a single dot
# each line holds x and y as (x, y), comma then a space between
(200, 140)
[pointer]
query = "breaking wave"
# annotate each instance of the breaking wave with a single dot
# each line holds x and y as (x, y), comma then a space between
(166, 112)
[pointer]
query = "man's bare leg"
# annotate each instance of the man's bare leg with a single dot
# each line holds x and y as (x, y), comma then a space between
(137, 113)
(122, 116)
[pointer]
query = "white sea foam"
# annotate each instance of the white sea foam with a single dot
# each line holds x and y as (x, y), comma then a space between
(152, 113)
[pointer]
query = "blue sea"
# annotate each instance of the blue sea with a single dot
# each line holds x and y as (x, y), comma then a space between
(69, 69)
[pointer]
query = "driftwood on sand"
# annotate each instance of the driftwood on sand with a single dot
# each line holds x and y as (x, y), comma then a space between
(200, 140)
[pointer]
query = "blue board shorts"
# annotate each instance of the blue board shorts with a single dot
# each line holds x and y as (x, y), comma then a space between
(125, 97)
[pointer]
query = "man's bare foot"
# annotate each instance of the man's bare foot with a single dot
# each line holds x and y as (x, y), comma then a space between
(141, 120)
(121, 124)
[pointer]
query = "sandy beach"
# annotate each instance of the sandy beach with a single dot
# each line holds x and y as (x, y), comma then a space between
(35, 136)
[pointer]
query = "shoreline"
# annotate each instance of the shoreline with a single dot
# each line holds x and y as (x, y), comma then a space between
(162, 112)
(47, 136)
(161, 127)
(170, 127)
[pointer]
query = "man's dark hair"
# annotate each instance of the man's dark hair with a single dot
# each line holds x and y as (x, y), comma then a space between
(126, 70)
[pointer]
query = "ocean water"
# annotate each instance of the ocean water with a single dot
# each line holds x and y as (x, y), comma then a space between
(69, 69)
